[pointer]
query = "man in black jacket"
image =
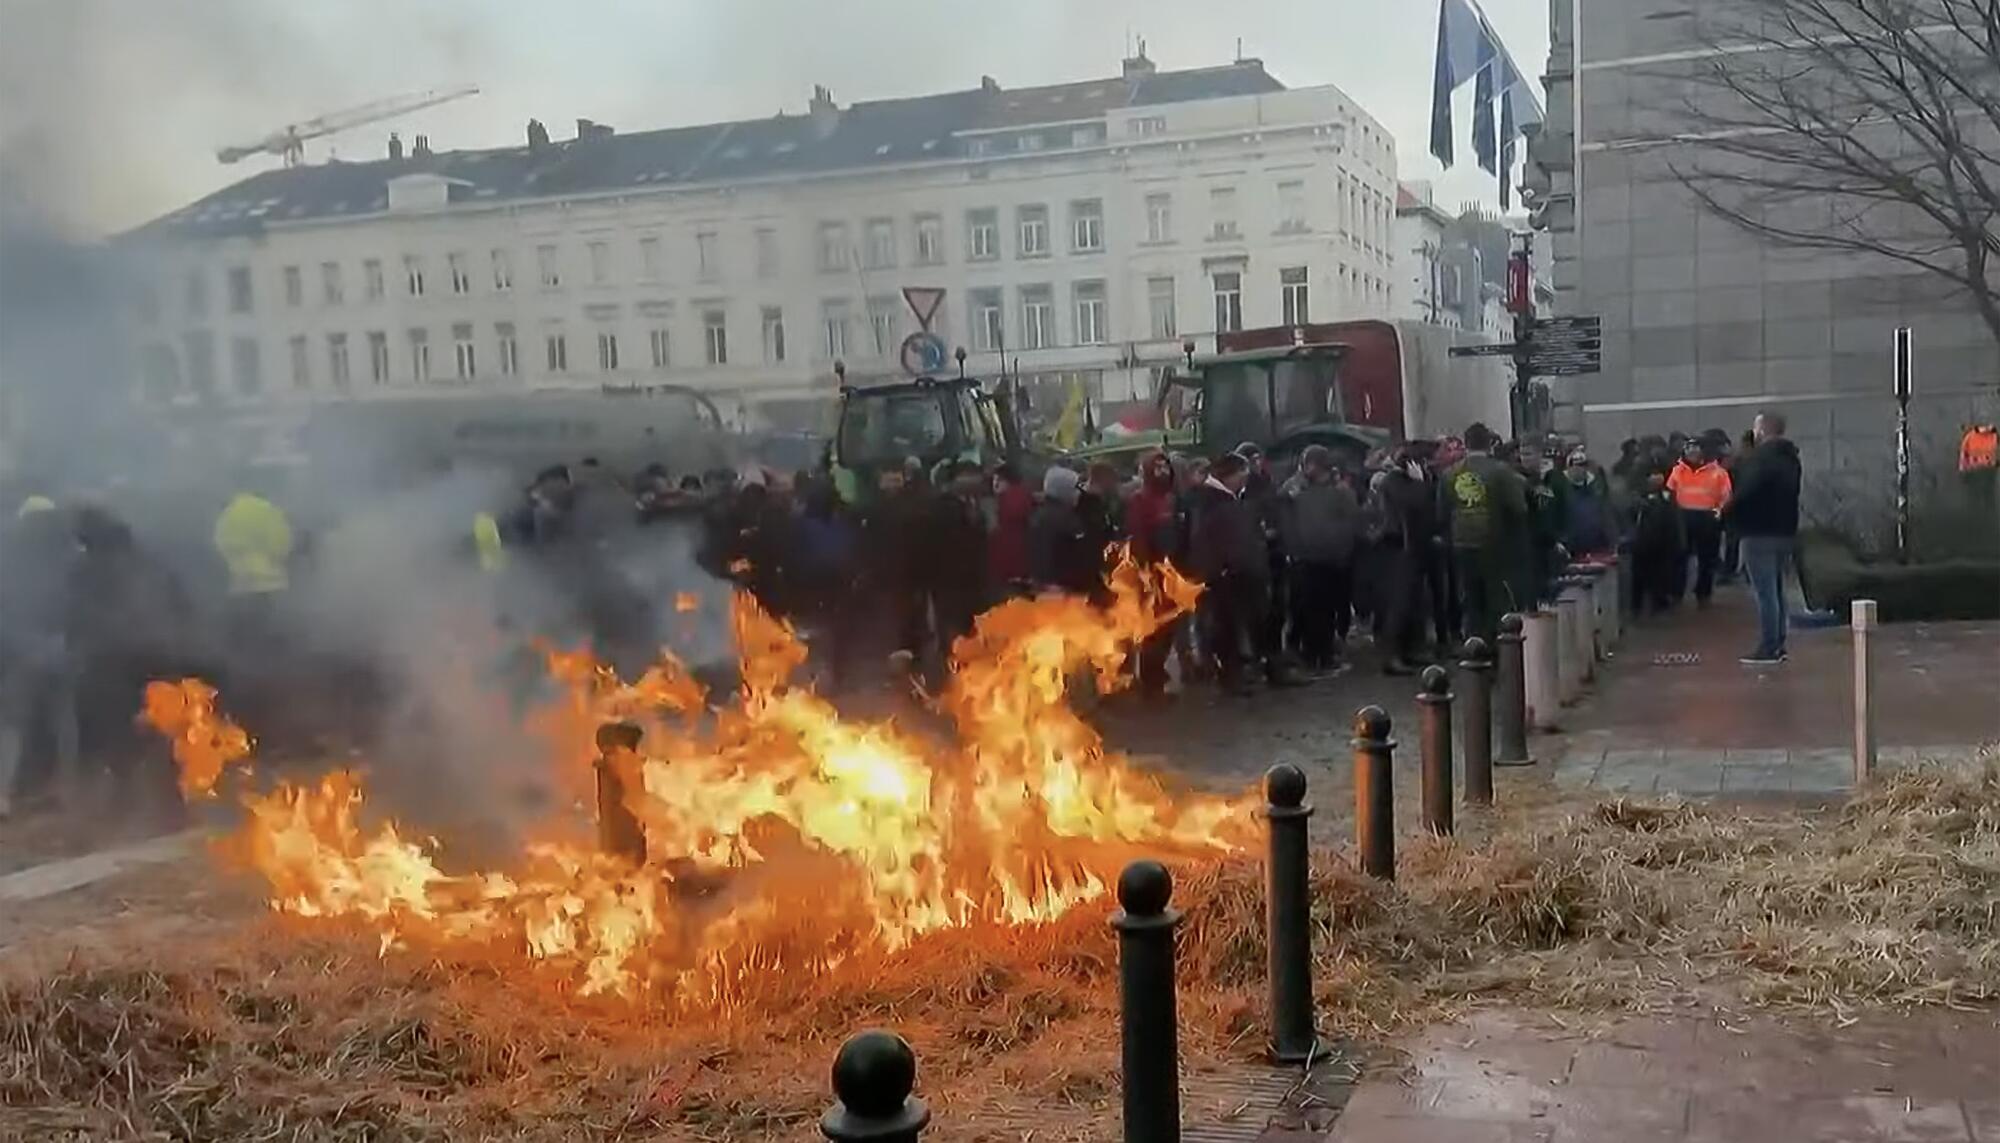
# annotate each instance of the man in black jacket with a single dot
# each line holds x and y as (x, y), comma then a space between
(1228, 554)
(1764, 510)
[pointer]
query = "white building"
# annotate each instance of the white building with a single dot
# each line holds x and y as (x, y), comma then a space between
(1077, 226)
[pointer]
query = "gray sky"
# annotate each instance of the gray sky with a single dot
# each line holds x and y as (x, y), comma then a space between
(110, 110)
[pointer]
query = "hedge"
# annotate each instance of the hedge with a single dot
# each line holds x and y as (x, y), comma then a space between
(1834, 576)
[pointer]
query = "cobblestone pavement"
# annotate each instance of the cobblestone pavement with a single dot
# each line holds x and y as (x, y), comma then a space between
(1515, 1078)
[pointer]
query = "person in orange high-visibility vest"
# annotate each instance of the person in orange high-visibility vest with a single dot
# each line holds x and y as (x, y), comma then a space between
(1978, 460)
(1700, 486)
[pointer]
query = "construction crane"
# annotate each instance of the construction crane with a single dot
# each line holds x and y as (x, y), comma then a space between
(290, 142)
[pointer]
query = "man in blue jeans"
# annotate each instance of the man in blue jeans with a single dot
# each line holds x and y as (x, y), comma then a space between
(1764, 510)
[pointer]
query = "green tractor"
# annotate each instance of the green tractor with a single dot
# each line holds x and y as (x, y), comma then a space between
(1282, 399)
(929, 419)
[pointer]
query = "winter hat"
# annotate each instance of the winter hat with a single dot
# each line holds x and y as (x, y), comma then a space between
(1060, 484)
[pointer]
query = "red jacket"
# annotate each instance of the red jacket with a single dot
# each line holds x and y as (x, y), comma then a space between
(1007, 550)
(1150, 519)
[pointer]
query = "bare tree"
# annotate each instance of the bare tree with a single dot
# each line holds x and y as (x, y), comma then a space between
(1861, 126)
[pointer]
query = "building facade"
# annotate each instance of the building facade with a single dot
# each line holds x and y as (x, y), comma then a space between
(1705, 323)
(1083, 229)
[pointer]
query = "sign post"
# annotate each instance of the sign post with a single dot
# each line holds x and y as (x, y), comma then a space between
(1905, 367)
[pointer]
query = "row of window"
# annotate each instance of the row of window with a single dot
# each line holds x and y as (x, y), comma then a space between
(1364, 215)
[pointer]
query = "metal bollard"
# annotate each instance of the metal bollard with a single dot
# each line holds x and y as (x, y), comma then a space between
(1863, 621)
(1145, 924)
(1510, 693)
(1476, 716)
(1544, 704)
(1434, 735)
(872, 1078)
(1569, 679)
(1585, 585)
(1374, 793)
(1614, 605)
(618, 832)
(1288, 916)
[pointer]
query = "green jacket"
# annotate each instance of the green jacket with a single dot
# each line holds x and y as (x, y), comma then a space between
(1485, 502)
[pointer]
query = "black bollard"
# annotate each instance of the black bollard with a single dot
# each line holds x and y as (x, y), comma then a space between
(1434, 708)
(1145, 925)
(872, 1078)
(1288, 916)
(1510, 695)
(1374, 793)
(1476, 715)
(618, 832)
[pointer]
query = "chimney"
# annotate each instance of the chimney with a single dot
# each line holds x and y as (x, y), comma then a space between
(421, 149)
(395, 147)
(989, 85)
(538, 135)
(1138, 67)
(825, 112)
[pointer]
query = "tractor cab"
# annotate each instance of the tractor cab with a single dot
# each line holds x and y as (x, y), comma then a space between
(928, 418)
(1282, 399)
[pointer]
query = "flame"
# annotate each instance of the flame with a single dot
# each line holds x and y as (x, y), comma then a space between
(776, 831)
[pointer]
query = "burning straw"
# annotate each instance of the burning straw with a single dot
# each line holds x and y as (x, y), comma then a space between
(305, 1030)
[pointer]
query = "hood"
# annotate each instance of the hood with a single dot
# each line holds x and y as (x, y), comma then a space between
(1783, 446)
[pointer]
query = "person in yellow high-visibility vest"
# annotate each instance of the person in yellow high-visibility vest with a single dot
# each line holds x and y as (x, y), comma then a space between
(486, 540)
(255, 541)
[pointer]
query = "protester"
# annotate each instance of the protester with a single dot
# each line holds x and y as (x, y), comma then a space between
(1701, 490)
(1007, 549)
(1588, 526)
(1322, 527)
(826, 569)
(1063, 549)
(38, 555)
(1486, 502)
(1404, 511)
(1154, 519)
(1229, 554)
(1765, 511)
(1659, 548)
(892, 539)
(958, 565)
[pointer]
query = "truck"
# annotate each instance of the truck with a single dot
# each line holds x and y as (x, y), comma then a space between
(1351, 386)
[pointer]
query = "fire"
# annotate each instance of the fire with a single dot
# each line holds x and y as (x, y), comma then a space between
(776, 831)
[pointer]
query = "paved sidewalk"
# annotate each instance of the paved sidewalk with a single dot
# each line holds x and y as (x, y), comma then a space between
(1513, 1078)
(1674, 712)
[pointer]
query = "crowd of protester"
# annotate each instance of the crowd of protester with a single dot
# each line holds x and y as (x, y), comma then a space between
(1410, 550)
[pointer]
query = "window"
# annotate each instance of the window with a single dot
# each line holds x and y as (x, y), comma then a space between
(239, 291)
(1090, 324)
(930, 240)
(880, 253)
(372, 281)
(982, 235)
(550, 267)
(1149, 125)
(989, 330)
(420, 355)
(331, 287)
(649, 259)
(1086, 136)
(1292, 285)
(607, 351)
(301, 362)
(197, 292)
(338, 369)
(295, 286)
(1222, 212)
(1159, 218)
(378, 357)
(1034, 231)
(834, 317)
(557, 346)
(600, 262)
(1160, 309)
(245, 364)
(882, 314)
(200, 346)
(510, 348)
(1086, 225)
(413, 274)
(503, 271)
(707, 256)
(715, 336)
(1032, 141)
(660, 340)
(464, 365)
(833, 246)
(774, 334)
(461, 277)
(1292, 206)
(1228, 302)
(767, 253)
(1038, 317)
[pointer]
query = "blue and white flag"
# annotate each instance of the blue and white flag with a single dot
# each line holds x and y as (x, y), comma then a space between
(1468, 50)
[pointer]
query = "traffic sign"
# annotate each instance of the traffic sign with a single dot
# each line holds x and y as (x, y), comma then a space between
(1502, 350)
(922, 353)
(923, 302)
(1573, 321)
(1565, 369)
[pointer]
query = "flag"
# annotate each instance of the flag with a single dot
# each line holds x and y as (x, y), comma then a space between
(1508, 129)
(1443, 82)
(1468, 50)
(1485, 146)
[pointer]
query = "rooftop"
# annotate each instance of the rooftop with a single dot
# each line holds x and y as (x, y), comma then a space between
(830, 139)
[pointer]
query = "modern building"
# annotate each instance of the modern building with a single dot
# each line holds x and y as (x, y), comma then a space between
(1706, 323)
(1081, 230)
